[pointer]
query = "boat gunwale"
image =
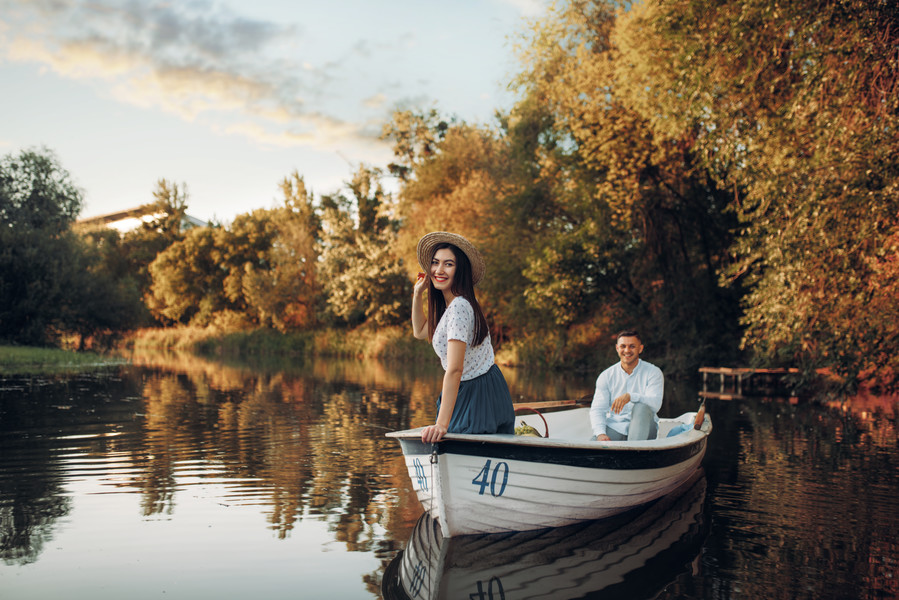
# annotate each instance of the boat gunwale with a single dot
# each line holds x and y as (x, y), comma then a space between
(507, 439)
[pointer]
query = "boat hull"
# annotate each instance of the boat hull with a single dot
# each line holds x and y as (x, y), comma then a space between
(504, 483)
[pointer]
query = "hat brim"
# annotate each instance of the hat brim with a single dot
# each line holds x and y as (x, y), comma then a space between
(426, 252)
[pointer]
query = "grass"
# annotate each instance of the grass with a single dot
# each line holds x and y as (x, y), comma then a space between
(215, 342)
(259, 342)
(386, 343)
(15, 360)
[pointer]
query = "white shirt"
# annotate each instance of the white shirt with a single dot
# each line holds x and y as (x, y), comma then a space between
(645, 384)
(457, 323)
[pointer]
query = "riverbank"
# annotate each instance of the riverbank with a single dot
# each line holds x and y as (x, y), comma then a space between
(393, 343)
(390, 343)
(26, 359)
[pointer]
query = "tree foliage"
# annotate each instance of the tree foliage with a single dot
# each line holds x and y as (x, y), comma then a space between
(36, 193)
(795, 109)
(284, 293)
(259, 271)
(51, 282)
(126, 256)
(638, 230)
(362, 279)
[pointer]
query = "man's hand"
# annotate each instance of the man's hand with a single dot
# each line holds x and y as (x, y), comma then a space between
(602, 438)
(619, 402)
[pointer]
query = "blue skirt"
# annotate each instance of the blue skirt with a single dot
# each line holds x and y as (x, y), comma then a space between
(483, 405)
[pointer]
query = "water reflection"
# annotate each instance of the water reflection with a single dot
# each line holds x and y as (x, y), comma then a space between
(182, 457)
(292, 444)
(634, 555)
(30, 507)
(305, 442)
(34, 440)
(806, 500)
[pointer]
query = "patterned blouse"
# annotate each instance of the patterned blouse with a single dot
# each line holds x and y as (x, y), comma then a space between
(457, 323)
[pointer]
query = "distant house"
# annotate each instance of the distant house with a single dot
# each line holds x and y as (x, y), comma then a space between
(129, 220)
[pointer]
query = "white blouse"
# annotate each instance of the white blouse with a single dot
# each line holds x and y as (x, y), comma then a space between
(457, 323)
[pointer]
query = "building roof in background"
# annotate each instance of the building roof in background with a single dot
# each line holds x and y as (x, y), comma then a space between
(132, 218)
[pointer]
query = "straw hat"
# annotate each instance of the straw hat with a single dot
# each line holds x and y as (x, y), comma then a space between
(426, 252)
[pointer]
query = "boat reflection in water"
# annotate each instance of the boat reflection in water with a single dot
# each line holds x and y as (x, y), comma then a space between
(631, 555)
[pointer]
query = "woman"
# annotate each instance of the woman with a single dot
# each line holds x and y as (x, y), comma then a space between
(474, 397)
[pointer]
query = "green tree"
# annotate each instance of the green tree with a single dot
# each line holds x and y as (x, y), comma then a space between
(284, 293)
(362, 279)
(37, 193)
(126, 257)
(258, 271)
(51, 282)
(98, 305)
(415, 137)
(140, 246)
(187, 279)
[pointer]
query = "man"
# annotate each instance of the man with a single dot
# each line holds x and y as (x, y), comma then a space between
(628, 395)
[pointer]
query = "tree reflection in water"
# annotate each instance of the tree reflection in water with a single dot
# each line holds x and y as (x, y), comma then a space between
(30, 504)
(38, 419)
(297, 445)
(805, 500)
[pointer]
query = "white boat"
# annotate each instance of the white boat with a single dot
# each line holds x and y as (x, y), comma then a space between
(503, 483)
(636, 554)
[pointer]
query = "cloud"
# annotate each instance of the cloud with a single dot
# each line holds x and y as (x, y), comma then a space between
(376, 101)
(193, 59)
(528, 8)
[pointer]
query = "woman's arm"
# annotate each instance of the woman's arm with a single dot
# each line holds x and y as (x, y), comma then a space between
(455, 358)
(419, 321)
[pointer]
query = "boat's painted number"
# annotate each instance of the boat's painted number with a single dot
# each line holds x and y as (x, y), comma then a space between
(488, 595)
(486, 477)
(418, 578)
(420, 474)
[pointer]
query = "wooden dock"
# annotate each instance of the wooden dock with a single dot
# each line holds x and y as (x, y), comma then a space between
(741, 382)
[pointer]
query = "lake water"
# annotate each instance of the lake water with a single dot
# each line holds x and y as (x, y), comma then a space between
(181, 478)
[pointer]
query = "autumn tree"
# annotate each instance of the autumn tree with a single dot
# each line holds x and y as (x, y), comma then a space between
(636, 232)
(460, 179)
(794, 107)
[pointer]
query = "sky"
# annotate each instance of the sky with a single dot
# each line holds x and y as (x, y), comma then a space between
(230, 97)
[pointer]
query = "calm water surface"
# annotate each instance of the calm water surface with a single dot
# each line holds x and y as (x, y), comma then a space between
(180, 478)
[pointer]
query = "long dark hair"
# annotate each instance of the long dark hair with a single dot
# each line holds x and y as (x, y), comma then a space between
(462, 286)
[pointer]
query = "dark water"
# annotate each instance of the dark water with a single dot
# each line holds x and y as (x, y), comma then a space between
(187, 479)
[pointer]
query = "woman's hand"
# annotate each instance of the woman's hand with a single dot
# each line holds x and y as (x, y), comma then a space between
(420, 284)
(433, 433)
